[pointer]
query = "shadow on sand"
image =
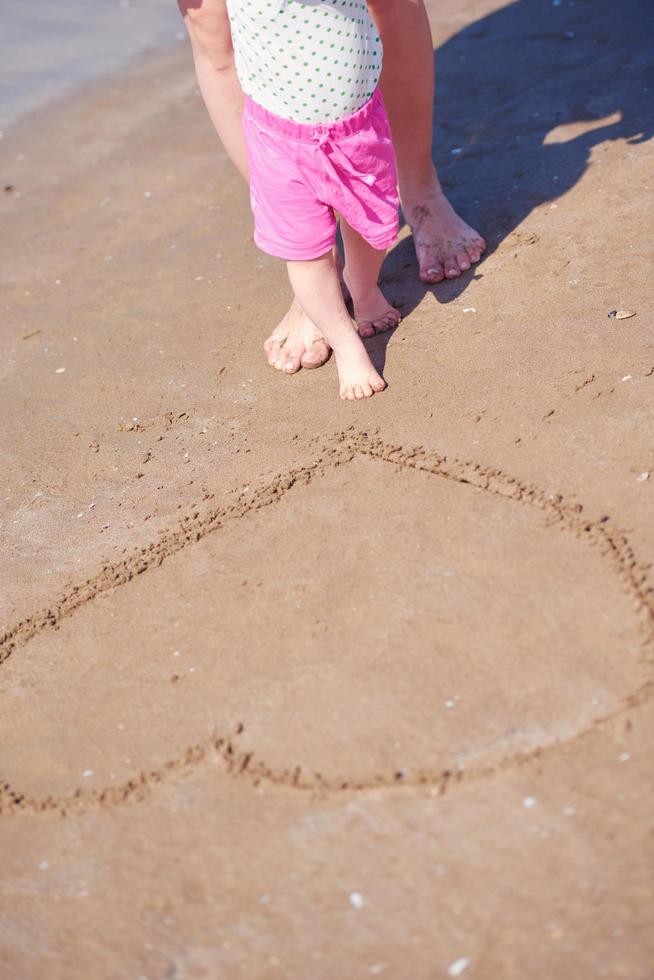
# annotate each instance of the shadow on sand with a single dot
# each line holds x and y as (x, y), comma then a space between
(508, 87)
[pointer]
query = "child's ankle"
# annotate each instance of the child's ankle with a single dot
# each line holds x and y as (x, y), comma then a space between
(346, 344)
(358, 291)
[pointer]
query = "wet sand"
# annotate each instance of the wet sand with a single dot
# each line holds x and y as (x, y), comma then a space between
(308, 689)
(49, 50)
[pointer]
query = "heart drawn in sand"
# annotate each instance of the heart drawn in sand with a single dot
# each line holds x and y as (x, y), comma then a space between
(380, 617)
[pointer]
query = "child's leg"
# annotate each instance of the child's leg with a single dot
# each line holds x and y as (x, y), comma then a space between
(372, 312)
(295, 342)
(318, 290)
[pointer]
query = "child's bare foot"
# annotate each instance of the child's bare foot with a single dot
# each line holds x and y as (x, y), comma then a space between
(356, 374)
(295, 342)
(317, 289)
(372, 311)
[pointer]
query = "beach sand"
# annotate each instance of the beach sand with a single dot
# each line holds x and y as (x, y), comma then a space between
(308, 689)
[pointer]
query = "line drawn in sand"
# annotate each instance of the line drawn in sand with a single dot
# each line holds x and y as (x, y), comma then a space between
(342, 448)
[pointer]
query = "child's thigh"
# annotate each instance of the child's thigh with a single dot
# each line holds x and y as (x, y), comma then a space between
(370, 205)
(290, 220)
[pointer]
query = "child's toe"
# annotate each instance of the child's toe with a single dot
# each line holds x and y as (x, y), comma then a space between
(390, 319)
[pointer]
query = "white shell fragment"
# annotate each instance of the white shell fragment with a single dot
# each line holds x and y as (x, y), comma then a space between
(456, 969)
(621, 314)
(356, 899)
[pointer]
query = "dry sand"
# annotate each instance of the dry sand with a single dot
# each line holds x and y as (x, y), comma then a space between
(303, 689)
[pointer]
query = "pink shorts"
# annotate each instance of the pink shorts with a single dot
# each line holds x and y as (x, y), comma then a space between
(300, 174)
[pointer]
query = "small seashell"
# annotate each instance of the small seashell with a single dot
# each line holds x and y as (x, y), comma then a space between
(456, 969)
(621, 314)
(356, 899)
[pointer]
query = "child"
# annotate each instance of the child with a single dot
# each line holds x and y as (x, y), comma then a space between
(319, 142)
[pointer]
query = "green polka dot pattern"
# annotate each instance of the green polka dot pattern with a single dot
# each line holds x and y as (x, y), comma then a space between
(312, 61)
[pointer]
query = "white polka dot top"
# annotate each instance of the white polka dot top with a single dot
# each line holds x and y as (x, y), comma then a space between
(312, 61)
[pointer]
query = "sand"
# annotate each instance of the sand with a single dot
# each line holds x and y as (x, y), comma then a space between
(308, 689)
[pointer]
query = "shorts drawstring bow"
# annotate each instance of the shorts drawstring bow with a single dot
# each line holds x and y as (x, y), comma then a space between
(335, 155)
